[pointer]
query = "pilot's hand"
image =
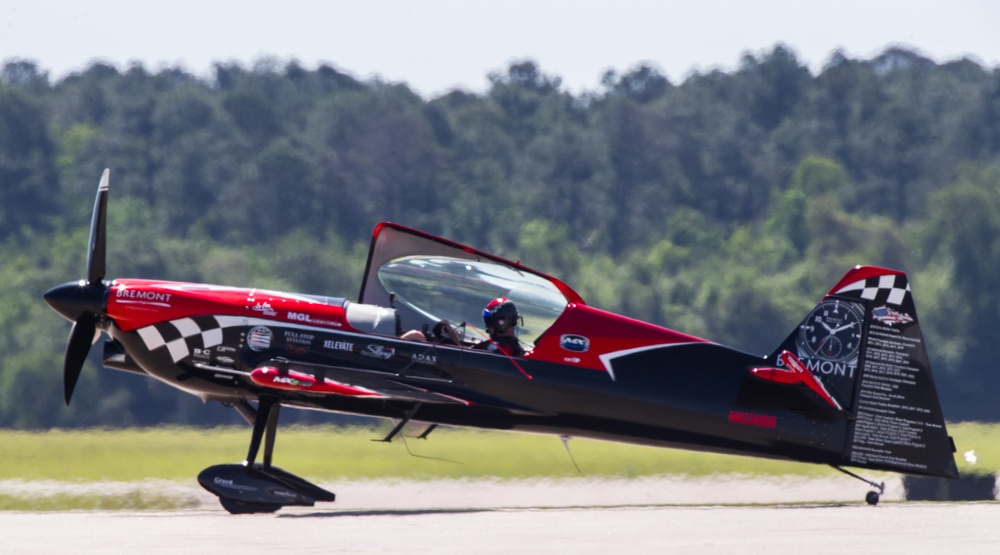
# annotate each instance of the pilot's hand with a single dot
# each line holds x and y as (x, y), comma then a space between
(445, 333)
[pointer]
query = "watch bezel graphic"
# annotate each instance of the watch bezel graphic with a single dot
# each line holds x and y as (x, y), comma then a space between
(832, 331)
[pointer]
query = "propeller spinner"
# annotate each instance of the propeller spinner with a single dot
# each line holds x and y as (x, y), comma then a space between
(83, 302)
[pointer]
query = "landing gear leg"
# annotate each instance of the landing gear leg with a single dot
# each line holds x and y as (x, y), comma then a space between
(254, 487)
(871, 497)
(265, 426)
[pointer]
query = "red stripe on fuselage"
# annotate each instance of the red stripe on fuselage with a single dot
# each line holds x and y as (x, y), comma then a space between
(136, 303)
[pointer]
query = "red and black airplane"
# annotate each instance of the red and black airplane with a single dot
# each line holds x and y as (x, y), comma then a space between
(850, 387)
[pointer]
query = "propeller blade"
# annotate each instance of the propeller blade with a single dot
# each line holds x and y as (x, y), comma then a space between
(98, 223)
(81, 338)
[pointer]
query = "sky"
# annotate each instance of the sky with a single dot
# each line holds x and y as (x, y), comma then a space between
(438, 45)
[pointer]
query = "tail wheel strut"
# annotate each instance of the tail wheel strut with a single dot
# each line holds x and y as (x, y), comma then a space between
(871, 497)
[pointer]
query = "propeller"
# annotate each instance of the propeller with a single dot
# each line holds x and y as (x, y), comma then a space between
(83, 302)
(98, 234)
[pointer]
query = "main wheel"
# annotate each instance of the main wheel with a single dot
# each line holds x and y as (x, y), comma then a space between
(872, 498)
(241, 508)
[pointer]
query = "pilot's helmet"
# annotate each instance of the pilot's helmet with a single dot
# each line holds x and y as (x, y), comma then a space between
(500, 314)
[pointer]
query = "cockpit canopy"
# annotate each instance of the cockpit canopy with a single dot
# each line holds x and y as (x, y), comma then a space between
(433, 279)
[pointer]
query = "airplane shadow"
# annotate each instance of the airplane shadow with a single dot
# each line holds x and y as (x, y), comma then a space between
(382, 512)
(334, 513)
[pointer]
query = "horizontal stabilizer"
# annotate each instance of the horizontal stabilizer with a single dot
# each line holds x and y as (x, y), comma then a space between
(795, 372)
(795, 365)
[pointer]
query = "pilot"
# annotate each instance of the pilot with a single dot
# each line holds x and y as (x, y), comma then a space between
(500, 317)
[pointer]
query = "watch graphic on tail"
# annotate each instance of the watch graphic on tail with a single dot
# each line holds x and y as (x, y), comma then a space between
(832, 331)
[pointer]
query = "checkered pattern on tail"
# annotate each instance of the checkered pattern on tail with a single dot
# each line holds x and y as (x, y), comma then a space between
(182, 335)
(890, 289)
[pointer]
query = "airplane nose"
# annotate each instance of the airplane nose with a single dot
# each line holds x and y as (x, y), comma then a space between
(75, 298)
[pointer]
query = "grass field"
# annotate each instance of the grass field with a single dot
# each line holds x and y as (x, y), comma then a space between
(329, 453)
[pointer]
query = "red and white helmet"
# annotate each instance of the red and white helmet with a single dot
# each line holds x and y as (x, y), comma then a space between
(500, 314)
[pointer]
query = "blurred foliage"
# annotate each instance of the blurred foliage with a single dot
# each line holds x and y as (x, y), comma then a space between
(723, 206)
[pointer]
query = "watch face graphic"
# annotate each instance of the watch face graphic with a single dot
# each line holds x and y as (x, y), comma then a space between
(832, 331)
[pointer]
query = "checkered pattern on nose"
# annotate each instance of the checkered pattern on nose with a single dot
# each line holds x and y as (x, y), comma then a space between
(891, 289)
(182, 335)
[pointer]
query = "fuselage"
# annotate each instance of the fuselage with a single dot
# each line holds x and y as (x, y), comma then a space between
(592, 374)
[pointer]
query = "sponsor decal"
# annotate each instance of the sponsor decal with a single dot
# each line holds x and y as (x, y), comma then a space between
(832, 331)
(753, 419)
(295, 349)
(572, 360)
(136, 296)
(265, 309)
(229, 484)
(260, 338)
(281, 493)
(338, 345)
(226, 360)
(828, 367)
(375, 350)
(202, 353)
(309, 319)
(299, 338)
(299, 317)
(290, 381)
(889, 316)
(225, 349)
(577, 343)
(424, 359)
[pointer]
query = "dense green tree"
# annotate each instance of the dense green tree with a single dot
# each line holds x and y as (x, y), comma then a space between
(722, 205)
(772, 86)
(643, 83)
(963, 244)
(27, 162)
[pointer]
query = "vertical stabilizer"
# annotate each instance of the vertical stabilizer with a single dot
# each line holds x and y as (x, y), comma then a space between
(863, 342)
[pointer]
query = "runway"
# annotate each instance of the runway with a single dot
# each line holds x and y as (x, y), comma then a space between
(815, 529)
(618, 516)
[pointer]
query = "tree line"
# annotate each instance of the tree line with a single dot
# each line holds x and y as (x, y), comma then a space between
(723, 205)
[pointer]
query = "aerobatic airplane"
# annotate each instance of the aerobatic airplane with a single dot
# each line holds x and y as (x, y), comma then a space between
(851, 386)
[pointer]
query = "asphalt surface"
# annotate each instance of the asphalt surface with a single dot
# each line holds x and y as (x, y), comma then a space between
(494, 493)
(833, 528)
(578, 516)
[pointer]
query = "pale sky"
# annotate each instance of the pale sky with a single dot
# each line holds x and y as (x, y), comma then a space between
(437, 45)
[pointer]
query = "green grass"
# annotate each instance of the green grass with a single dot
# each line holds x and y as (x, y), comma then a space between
(328, 453)
(983, 440)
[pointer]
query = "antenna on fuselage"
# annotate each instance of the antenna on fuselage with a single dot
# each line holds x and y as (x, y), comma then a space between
(565, 440)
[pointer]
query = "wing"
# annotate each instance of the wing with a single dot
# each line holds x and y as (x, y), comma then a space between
(319, 379)
(326, 380)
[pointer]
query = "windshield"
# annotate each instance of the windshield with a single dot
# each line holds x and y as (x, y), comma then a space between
(456, 289)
